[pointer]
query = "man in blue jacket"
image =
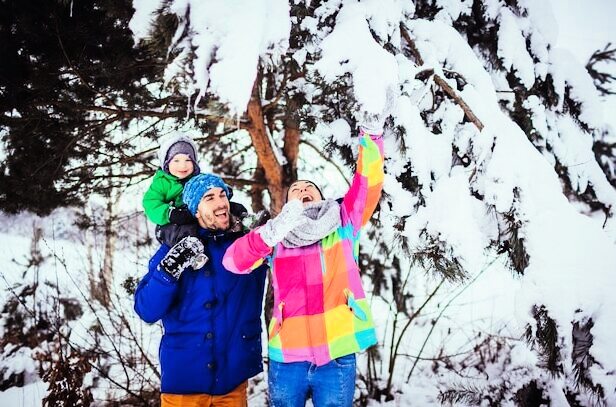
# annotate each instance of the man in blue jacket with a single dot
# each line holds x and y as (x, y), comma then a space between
(211, 317)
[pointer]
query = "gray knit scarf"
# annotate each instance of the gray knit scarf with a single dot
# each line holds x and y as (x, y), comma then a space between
(323, 219)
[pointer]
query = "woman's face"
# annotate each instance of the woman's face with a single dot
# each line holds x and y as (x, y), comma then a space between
(305, 191)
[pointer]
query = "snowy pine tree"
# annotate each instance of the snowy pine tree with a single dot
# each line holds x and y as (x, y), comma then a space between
(498, 199)
(492, 153)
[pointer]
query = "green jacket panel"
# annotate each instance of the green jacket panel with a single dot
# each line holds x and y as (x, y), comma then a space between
(164, 192)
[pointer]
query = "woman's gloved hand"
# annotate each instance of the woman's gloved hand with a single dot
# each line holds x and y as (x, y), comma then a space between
(290, 217)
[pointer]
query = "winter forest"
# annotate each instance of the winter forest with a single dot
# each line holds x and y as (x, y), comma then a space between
(489, 264)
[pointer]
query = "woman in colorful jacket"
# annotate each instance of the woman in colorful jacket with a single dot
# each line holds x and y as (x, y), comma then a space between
(321, 317)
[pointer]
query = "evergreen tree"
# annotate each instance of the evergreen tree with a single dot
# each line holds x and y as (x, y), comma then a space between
(489, 116)
(494, 148)
(71, 78)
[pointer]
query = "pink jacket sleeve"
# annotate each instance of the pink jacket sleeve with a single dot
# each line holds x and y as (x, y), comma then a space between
(246, 253)
(363, 196)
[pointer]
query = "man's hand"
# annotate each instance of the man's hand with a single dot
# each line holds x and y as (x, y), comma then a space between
(188, 252)
(291, 216)
(180, 216)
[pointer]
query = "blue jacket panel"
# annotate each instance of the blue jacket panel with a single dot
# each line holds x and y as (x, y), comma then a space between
(211, 319)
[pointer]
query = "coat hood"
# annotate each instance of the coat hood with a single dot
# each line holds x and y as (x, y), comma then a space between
(166, 145)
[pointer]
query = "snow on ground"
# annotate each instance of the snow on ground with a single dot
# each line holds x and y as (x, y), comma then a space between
(30, 395)
(563, 244)
(485, 306)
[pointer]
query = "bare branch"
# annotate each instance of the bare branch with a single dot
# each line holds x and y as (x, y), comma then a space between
(328, 159)
(442, 82)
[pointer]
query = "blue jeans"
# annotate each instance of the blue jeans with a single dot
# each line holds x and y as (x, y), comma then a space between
(333, 384)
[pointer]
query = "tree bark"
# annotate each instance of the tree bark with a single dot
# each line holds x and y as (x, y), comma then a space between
(291, 141)
(256, 190)
(265, 150)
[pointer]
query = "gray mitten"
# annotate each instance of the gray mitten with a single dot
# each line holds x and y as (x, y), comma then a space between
(290, 217)
(188, 252)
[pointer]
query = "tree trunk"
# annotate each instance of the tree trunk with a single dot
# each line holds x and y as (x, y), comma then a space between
(291, 141)
(106, 273)
(265, 150)
(256, 190)
(269, 170)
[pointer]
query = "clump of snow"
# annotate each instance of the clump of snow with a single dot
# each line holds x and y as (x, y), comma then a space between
(451, 10)
(512, 49)
(341, 132)
(441, 47)
(218, 31)
(141, 21)
(456, 225)
(568, 73)
(374, 70)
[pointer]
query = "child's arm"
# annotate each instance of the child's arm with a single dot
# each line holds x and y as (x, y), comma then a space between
(154, 205)
(360, 201)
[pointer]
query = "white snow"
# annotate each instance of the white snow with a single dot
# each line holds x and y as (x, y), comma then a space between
(374, 70)
(229, 38)
(512, 49)
(141, 21)
(459, 206)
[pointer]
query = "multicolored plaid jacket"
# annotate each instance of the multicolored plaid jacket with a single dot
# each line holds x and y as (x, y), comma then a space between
(320, 308)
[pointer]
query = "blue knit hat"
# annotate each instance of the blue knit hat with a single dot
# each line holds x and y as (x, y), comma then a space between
(198, 186)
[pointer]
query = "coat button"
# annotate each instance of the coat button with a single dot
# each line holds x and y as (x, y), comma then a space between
(209, 335)
(211, 365)
(208, 304)
(207, 273)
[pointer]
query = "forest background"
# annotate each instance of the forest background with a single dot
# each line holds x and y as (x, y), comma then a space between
(490, 262)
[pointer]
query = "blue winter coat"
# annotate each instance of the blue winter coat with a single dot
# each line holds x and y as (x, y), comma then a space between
(211, 319)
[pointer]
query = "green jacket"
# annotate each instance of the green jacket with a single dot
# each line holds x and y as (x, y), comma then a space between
(164, 192)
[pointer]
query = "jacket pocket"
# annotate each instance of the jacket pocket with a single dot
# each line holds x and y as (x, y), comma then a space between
(276, 322)
(354, 306)
(251, 330)
(251, 337)
(185, 364)
(182, 341)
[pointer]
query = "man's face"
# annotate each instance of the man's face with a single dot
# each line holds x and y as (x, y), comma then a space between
(305, 191)
(213, 210)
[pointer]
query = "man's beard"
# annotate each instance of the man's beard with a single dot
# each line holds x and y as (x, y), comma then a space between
(218, 222)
